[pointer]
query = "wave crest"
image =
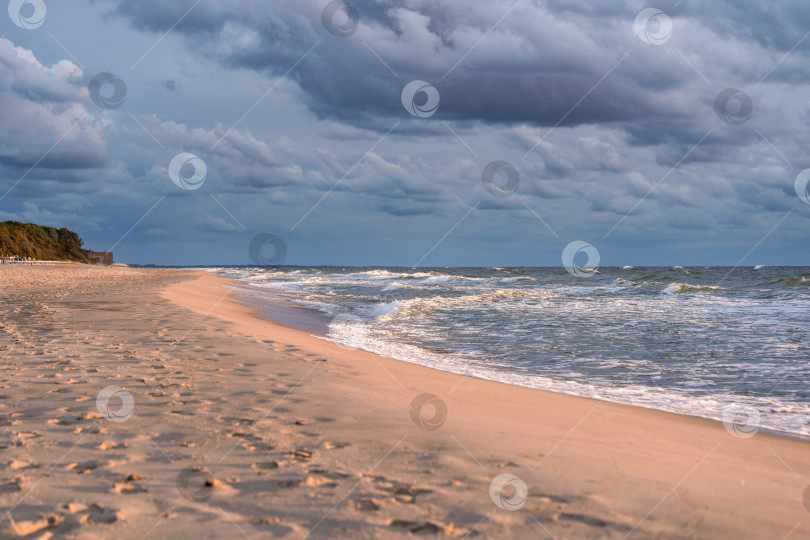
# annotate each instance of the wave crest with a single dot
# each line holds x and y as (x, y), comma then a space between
(685, 287)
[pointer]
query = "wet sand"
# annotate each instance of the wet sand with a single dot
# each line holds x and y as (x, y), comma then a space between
(216, 423)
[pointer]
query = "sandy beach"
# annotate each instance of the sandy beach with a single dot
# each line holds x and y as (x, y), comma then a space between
(151, 404)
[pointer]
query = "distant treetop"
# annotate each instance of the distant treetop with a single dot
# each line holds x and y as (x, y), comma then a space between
(41, 243)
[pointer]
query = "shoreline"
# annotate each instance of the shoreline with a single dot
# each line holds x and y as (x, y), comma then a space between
(276, 308)
(645, 421)
(240, 424)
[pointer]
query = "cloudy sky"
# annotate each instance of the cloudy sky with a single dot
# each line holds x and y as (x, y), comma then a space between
(610, 123)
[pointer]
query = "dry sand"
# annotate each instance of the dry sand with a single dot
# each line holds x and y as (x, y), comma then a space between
(243, 428)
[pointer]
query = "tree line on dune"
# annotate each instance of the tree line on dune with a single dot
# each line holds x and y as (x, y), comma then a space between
(40, 243)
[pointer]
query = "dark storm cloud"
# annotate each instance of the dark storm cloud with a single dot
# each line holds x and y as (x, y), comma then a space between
(778, 25)
(542, 67)
(634, 122)
(39, 105)
(47, 120)
(533, 68)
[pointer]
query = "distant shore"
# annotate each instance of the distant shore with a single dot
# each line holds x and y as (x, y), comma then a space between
(297, 436)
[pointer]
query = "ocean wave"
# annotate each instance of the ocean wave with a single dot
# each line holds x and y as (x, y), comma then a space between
(434, 280)
(386, 308)
(426, 278)
(378, 275)
(513, 279)
(514, 271)
(685, 287)
(387, 274)
(614, 337)
(433, 303)
(793, 282)
(776, 415)
(395, 286)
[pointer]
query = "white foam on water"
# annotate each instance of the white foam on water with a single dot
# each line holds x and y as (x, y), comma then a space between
(777, 416)
(393, 287)
(380, 310)
(418, 317)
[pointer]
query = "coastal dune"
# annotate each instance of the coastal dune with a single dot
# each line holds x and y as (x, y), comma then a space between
(149, 403)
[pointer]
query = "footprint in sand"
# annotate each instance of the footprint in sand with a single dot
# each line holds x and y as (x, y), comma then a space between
(408, 494)
(279, 531)
(21, 464)
(85, 467)
(318, 481)
(12, 485)
(301, 454)
(307, 481)
(96, 430)
(421, 527)
(582, 518)
(335, 475)
(266, 465)
(97, 513)
(335, 445)
(110, 445)
(22, 438)
(366, 505)
(239, 434)
(9, 419)
(128, 487)
(27, 528)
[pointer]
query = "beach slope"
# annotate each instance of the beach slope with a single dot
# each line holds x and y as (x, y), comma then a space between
(149, 403)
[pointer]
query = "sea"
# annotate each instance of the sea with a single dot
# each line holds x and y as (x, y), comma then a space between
(697, 341)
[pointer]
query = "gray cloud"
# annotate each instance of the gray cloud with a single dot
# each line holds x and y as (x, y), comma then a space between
(611, 121)
(533, 68)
